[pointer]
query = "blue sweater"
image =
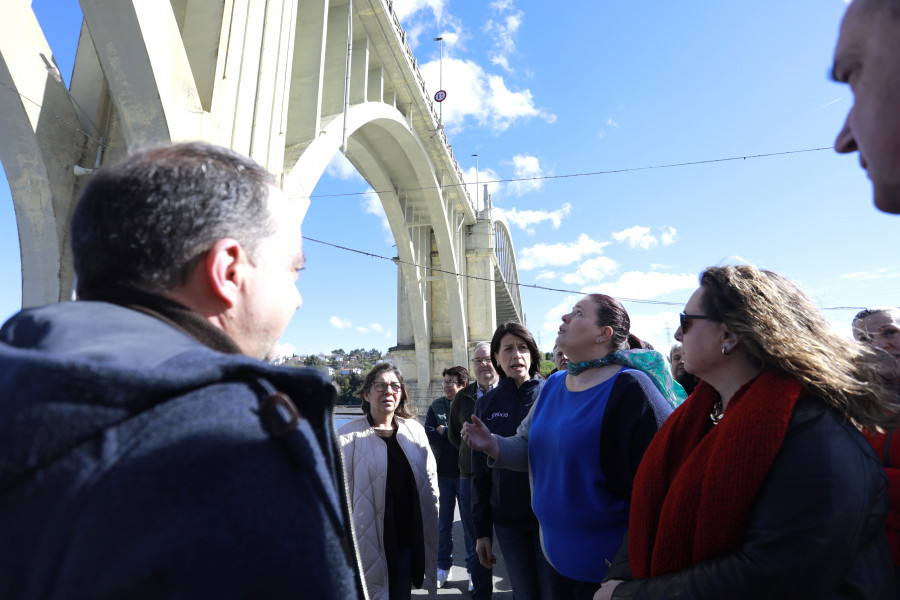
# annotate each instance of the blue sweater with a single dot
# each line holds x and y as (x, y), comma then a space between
(134, 462)
(584, 449)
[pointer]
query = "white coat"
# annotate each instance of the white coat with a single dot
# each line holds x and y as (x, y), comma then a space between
(365, 460)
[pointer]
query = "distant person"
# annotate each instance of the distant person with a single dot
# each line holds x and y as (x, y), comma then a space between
(676, 361)
(560, 360)
(461, 409)
(146, 450)
(760, 485)
(501, 498)
(392, 480)
(584, 438)
(447, 457)
(867, 58)
(879, 328)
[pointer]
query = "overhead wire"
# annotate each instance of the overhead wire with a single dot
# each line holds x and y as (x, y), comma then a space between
(493, 181)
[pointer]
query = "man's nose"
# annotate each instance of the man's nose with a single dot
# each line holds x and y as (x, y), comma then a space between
(845, 142)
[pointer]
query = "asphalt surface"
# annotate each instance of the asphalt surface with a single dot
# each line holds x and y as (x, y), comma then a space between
(458, 584)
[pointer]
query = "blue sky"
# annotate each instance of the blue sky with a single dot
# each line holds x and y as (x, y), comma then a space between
(599, 87)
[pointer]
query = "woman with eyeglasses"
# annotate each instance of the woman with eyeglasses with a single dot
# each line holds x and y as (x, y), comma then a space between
(501, 499)
(584, 438)
(392, 482)
(760, 485)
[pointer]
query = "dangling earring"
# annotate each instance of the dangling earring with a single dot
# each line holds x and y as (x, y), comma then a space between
(725, 351)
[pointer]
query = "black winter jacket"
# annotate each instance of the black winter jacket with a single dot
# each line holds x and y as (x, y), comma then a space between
(500, 495)
(137, 463)
(816, 530)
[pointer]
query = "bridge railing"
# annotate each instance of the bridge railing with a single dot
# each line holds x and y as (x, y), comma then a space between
(506, 258)
(429, 103)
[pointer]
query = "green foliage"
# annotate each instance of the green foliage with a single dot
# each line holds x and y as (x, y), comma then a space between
(546, 367)
(313, 361)
(351, 386)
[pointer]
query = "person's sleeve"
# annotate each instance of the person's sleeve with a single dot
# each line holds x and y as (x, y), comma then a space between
(482, 514)
(635, 412)
(514, 449)
(454, 423)
(434, 438)
(822, 505)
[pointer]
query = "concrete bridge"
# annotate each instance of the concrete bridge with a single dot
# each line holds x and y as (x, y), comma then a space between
(288, 82)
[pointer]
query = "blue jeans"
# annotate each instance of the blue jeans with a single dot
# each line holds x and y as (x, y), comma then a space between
(481, 577)
(530, 575)
(449, 490)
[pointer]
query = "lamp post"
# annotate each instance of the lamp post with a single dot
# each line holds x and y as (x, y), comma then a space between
(441, 81)
(476, 181)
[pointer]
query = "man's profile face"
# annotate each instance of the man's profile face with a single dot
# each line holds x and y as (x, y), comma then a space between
(271, 297)
(677, 362)
(560, 359)
(485, 373)
(867, 58)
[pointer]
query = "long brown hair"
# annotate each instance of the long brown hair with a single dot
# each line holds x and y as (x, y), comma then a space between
(782, 328)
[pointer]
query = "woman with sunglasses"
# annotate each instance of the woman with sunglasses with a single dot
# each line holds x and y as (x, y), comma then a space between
(759, 485)
(392, 482)
(584, 438)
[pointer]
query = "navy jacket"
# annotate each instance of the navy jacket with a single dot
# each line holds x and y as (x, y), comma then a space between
(500, 495)
(136, 462)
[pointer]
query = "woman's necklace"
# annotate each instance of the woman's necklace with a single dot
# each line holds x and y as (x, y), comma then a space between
(717, 412)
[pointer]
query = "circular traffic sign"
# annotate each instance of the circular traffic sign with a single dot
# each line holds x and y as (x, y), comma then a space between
(440, 96)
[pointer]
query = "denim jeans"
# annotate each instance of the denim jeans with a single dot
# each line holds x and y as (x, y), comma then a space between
(482, 582)
(449, 490)
(530, 575)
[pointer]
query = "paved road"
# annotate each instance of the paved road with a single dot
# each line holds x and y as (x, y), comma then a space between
(458, 583)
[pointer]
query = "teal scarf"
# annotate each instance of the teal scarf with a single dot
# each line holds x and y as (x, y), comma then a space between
(651, 362)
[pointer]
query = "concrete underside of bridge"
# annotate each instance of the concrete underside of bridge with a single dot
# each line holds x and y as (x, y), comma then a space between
(277, 81)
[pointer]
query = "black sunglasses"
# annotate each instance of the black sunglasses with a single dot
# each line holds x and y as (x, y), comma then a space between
(685, 320)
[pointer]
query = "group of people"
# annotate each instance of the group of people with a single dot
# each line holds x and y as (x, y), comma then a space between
(147, 450)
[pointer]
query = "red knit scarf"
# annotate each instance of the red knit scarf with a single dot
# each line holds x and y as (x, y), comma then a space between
(695, 487)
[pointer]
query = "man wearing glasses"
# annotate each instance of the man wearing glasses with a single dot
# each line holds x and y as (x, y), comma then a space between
(447, 457)
(480, 582)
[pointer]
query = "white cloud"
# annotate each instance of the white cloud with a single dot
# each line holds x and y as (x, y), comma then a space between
(656, 329)
(637, 237)
(477, 183)
(503, 33)
(612, 123)
(526, 219)
(406, 8)
(371, 204)
(371, 327)
(592, 270)
(545, 276)
(527, 170)
(553, 318)
(600, 134)
(284, 349)
(884, 273)
(341, 168)
(645, 286)
(668, 237)
(473, 93)
(340, 323)
(544, 255)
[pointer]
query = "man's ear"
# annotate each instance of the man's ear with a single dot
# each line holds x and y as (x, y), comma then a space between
(224, 267)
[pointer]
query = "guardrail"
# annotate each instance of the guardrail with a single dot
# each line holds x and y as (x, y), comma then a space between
(429, 103)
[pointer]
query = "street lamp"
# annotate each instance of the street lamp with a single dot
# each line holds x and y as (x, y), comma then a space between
(476, 181)
(440, 81)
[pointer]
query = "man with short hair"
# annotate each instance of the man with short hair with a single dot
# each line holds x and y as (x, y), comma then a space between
(867, 58)
(676, 361)
(560, 360)
(461, 409)
(145, 451)
(447, 457)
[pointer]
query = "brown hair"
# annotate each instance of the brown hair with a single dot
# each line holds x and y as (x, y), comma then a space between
(459, 372)
(611, 313)
(781, 327)
(405, 408)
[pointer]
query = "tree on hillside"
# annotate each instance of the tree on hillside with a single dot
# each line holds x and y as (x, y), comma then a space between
(313, 361)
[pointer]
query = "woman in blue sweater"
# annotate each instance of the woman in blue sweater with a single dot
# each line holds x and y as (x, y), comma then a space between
(584, 439)
(500, 497)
